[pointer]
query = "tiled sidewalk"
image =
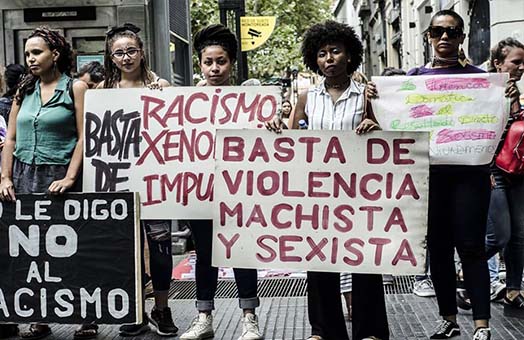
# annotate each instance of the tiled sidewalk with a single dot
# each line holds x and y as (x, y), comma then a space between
(410, 318)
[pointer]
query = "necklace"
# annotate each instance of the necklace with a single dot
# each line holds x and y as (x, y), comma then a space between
(337, 86)
(445, 62)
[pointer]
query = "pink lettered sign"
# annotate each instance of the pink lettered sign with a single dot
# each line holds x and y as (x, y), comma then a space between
(321, 200)
(161, 143)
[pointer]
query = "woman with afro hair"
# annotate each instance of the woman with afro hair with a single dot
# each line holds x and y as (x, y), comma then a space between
(217, 47)
(334, 51)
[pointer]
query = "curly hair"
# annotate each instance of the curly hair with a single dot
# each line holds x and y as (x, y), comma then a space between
(55, 41)
(500, 51)
(94, 69)
(330, 32)
(112, 72)
(219, 35)
(13, 75)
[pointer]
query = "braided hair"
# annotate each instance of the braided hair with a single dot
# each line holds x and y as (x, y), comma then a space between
(112, 72)
(55, 41)
(216, 35)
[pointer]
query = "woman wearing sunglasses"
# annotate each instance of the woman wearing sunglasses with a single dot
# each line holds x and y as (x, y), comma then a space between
(458, 201)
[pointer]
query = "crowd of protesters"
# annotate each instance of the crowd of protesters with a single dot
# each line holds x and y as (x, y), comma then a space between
(473, 210)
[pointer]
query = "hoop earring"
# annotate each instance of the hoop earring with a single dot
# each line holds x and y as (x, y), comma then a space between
(462, 57)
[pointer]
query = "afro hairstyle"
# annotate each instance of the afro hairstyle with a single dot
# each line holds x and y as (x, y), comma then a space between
(216, 34)
(330, 32)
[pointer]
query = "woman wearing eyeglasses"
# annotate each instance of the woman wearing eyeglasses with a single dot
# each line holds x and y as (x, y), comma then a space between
(126, 67)
(458, 201)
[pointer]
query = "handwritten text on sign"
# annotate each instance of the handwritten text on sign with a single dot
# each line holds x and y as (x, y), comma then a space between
(73, 258)
(321, 200)
(465, 114)
(160, 143)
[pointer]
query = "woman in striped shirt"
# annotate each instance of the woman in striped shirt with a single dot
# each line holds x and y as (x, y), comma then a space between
(338, 103)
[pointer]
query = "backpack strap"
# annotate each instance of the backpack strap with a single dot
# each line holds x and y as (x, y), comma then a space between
(70, 90)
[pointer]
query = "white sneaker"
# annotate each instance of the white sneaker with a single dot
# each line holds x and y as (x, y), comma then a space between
(424, 288)
(201, 328)
(498, 290)
(250, 329)
(482, 334)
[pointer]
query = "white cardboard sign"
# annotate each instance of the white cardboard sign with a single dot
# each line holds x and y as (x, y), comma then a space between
(465, 114)
(321, 200)
(161, 143)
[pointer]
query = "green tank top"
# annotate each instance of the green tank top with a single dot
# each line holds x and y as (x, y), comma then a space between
(46, 134)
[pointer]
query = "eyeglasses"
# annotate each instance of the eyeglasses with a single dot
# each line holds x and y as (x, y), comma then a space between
(131, 53)
(452, 32)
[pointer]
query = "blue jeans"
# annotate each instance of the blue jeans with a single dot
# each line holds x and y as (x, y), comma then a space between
(493, 267)
(207, 275)
(505, 228)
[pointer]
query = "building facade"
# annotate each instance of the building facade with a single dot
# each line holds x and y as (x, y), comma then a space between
(393, 31)
(84, 23)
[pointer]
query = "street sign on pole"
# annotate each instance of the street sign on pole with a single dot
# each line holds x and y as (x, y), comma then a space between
(254, 31)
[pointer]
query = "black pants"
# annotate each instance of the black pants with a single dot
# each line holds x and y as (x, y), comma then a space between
(207, 275)
(158, 234)
(458, 210)
(325, 307)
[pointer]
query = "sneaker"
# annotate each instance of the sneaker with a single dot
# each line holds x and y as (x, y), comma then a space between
(250, 329)
(201, 328)
(498, 290)
(514, 308)
(135, 329)
(502, 270)
(482, 333)
(446, 330)
(463, 300)
(424, 288)
(163, 321)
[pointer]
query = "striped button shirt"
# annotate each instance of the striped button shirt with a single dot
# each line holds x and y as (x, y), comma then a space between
(345, 114)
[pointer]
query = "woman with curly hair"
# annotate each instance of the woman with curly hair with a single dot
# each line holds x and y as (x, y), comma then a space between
(217, 49)
(334, 51)
(43, 107)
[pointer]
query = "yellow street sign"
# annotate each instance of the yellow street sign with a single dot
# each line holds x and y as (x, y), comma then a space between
(254, 31)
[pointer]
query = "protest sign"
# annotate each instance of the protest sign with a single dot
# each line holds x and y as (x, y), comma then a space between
(70, 259)
(160, 143)
(465, 114)
(321, 201)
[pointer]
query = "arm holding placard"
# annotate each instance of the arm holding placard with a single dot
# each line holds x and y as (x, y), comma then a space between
(277, 125)
(369, 123)
(60, 186)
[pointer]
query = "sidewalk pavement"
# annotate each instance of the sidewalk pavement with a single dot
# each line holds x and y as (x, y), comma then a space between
(410, 318)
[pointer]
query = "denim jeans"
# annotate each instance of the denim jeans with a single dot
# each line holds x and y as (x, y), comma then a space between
(493, 267)
(207, 275)
(158, 236)
(505, 228)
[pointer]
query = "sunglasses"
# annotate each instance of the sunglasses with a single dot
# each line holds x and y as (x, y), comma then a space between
(119, 54)
(452, 32)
